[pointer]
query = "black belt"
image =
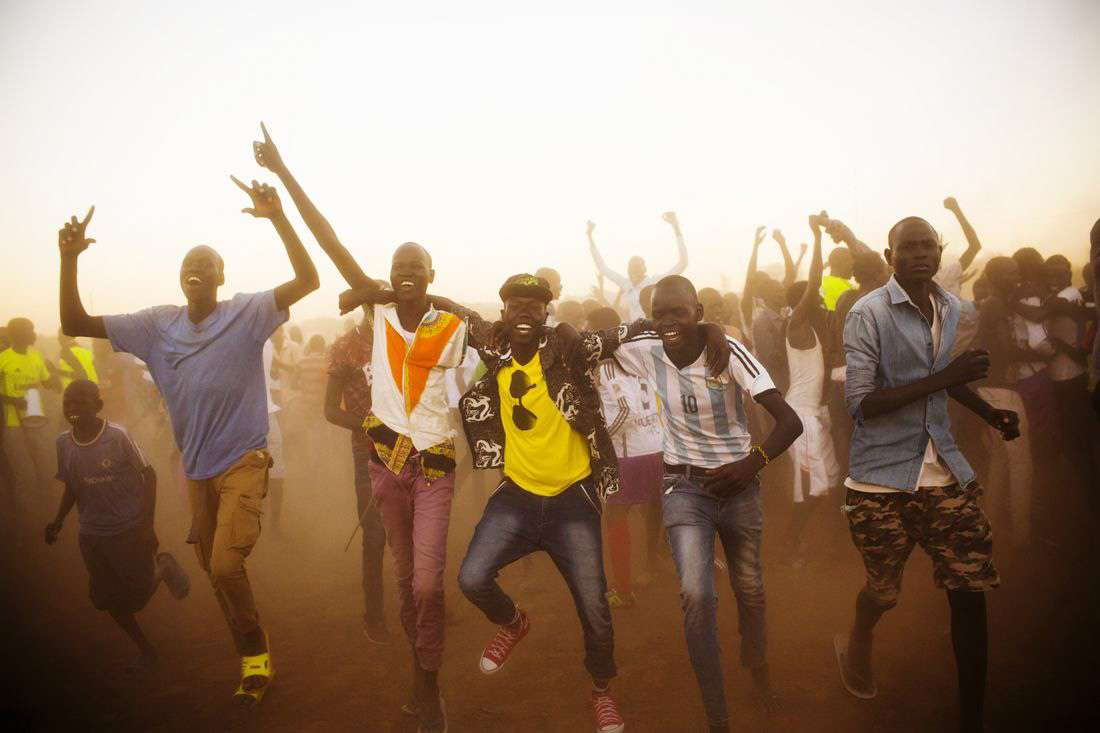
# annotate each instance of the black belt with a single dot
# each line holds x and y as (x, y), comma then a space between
(686, 470)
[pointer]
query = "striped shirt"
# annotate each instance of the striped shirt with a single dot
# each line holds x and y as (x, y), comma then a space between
(703, 417)
(630, 411)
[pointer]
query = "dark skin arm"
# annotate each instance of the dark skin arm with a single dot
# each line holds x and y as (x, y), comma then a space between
(75, 321)
(799, 328)
(733, 478)
(973, 246)
(266, 205)
(149, 487)
(267, 155)
(68, 500)
(334, 412)
(969, 366)
(750, 277)
(790, 267)
(1007, 421)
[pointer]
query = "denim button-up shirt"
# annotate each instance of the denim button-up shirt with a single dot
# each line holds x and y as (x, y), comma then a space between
(888, 344)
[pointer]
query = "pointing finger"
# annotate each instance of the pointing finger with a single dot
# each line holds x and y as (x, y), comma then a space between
(239, 184)
(88, 217)
(267, 138)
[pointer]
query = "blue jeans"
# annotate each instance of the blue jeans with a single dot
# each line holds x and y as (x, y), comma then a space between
(567, 527)
(693, 516)
(374, 539)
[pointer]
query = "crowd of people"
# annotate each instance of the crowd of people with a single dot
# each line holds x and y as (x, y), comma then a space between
(916, 390)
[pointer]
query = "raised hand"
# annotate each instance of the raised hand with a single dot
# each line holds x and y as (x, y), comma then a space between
(802, 248)
(71, 239)
(265, 202)
(760, 232)
(670, 217)
(951, 204)
(815, 225)
(837, 229)
(267, 155)
(778, 237)
(590, 228)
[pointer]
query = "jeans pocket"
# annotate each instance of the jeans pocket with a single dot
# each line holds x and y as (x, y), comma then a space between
(594, 503)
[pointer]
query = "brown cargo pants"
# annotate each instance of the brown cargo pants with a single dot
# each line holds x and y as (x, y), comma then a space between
(225, 511)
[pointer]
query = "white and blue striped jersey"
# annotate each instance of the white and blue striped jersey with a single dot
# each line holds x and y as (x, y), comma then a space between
(703, 417)
(630, 411)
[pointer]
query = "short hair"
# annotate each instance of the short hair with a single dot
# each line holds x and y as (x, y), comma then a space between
(677, 282)
(866, 265)
(995, 265)
(316, 344)
(82, 387)
(17, 323)
(419, 247)
(907, 220)
(796, 291)
(1059, 260)
(603, 318)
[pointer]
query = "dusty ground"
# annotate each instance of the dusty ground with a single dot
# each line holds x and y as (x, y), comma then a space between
(65, 661)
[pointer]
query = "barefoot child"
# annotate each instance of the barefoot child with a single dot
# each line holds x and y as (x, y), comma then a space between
(114, 488)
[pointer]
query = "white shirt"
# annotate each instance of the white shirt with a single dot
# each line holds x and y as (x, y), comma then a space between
(1062, 365)
(408, 390)
(632, 292)
(702, 417)
(630, 411)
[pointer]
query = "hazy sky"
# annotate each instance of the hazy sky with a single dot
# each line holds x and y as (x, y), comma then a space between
(490, 134)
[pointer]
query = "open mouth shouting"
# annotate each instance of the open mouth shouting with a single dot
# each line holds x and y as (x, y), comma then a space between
(194, 280)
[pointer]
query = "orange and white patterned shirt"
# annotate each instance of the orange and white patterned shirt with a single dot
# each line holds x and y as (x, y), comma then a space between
(408, 394)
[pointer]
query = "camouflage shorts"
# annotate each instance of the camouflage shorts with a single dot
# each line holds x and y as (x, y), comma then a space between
(945, 520)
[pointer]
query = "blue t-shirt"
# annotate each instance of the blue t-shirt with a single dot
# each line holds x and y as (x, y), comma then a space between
(211, 374)
(105, 477)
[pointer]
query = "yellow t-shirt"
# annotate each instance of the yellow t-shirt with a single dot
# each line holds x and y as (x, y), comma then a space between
(86, 360)
(18, 373)
(542, 453)
(831, 288)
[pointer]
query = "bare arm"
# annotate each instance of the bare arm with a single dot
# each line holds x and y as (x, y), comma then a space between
(790, 269)
(735, 477)
(267, 155)
(809, 302)
(750, 278)
(75, 321)
(973, 246)
(266, 205)
(841, 233)
(334, 413)
(622, 281)
(68, 499)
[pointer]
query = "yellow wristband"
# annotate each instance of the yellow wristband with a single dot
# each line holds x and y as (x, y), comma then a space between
(763, 455)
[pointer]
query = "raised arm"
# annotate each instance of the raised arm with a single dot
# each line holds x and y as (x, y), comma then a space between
(75, 321)
(790, 267)
(842, 234)
(681, 248)
(750, 278)
(267, 155)
(810, 297)
(620, 280)
(973, 246)
(266, 205)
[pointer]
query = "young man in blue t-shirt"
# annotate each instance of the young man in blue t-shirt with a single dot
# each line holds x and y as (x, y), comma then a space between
(206, 358)
(114, 489)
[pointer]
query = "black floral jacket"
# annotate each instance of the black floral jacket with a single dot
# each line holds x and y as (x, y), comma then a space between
(571, 387)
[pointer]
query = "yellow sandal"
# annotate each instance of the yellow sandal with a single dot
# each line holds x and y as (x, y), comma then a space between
(255, 666)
